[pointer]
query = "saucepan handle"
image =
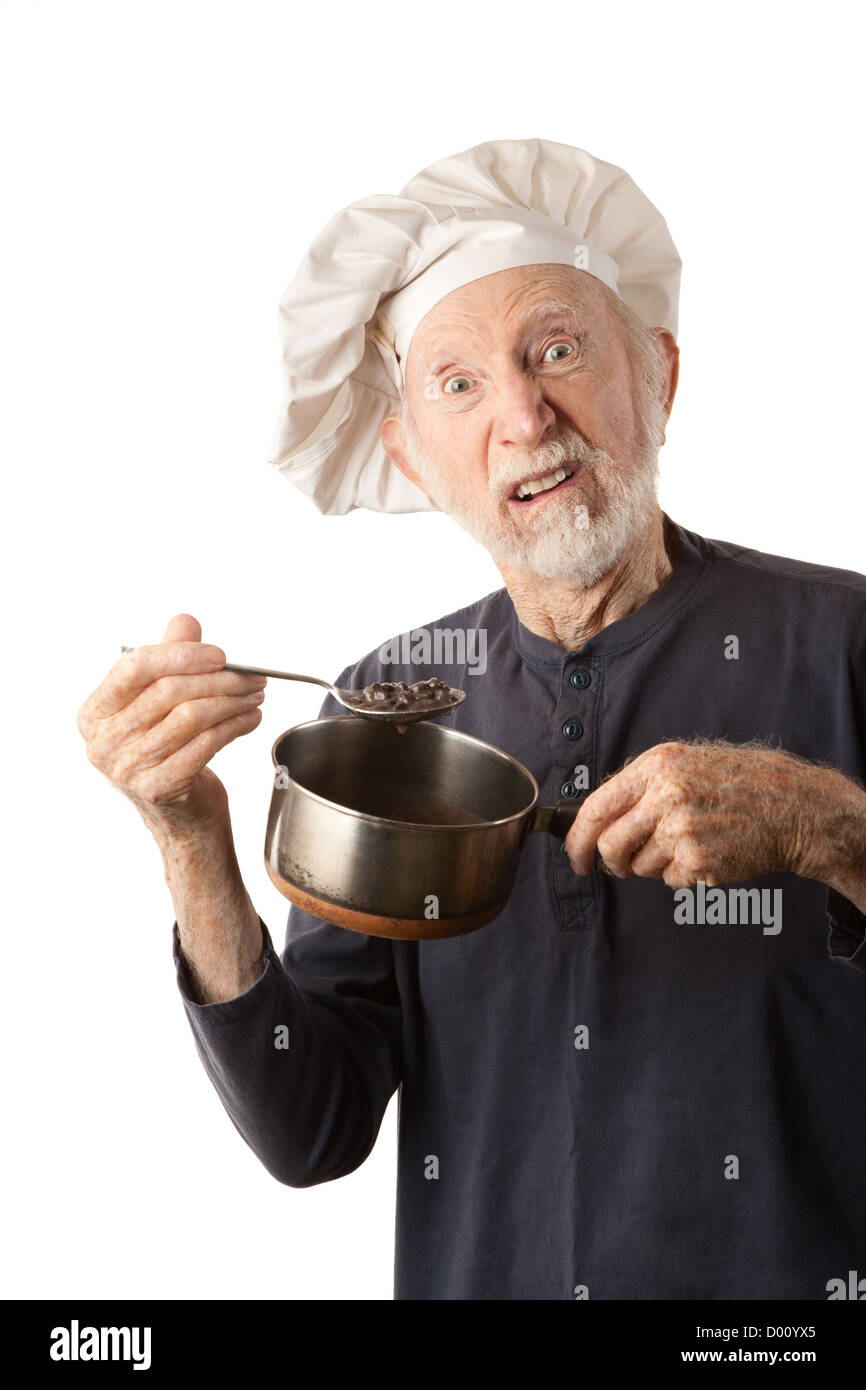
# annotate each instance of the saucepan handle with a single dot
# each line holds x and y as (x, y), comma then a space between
(557, 820)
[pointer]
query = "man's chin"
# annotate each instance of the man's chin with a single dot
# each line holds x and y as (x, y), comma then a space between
(580, 567)
(577, 572)
(575, 557)
(581, 554)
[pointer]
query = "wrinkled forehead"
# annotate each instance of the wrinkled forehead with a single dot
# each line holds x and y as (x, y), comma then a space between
(504, 306)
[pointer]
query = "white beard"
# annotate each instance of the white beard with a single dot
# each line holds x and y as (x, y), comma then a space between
(564, 541)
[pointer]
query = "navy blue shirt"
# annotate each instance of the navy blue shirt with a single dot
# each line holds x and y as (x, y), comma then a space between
(596, 1098)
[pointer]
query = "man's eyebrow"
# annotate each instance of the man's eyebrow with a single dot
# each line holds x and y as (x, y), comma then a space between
(550, 308)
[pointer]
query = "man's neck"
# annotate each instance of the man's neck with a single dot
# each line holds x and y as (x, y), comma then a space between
(555, 609)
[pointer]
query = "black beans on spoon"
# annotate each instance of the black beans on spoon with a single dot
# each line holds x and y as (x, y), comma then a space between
(423, 700)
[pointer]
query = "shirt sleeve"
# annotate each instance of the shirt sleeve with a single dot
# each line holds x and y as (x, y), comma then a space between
(847, 931)
(307, 1059)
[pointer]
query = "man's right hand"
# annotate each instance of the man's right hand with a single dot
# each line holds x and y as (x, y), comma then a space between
(158, 718)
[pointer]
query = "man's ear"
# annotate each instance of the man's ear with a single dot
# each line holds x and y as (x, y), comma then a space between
(394, 444)
(670, 355)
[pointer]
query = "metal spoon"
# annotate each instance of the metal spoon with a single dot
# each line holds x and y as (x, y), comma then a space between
(354, 700)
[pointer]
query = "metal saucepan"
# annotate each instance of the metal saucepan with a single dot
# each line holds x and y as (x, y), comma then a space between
(414, 835)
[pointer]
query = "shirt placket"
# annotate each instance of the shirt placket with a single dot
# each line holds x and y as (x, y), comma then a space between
(578, 710)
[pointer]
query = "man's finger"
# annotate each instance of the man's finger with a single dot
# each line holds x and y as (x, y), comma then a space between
(609, 801)
(651, 860)
(183, 627)
(625, 836)
(141, 667)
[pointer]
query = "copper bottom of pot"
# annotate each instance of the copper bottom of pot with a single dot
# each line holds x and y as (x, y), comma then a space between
(401, 928)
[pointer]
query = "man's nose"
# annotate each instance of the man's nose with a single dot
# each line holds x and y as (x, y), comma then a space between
(523, 417)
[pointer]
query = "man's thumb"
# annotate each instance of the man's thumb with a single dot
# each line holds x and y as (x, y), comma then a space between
(183, 627)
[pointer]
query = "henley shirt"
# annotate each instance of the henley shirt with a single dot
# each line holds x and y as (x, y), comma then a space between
(596, 1098)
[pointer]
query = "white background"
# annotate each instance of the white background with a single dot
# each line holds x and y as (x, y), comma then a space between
(165, 167)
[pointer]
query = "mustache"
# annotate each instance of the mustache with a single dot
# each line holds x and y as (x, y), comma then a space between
(567, 448)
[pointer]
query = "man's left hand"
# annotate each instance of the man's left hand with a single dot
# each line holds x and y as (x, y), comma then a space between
(688, 812)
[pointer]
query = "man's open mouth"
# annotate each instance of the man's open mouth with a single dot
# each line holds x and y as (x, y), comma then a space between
(527, 491)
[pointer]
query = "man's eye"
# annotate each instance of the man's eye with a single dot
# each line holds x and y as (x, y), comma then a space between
(553, 348)
(451, 381)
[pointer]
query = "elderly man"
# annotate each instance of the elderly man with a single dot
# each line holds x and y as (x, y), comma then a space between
(644, 1079)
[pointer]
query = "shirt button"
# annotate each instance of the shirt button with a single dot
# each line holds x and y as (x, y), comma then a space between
(563, 850)
(569, 789)
(572, 728)
(580, 678)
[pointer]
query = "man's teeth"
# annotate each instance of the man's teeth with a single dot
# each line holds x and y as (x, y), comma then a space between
(543, 484)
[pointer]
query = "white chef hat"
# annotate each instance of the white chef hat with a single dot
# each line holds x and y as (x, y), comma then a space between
(376, 269)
